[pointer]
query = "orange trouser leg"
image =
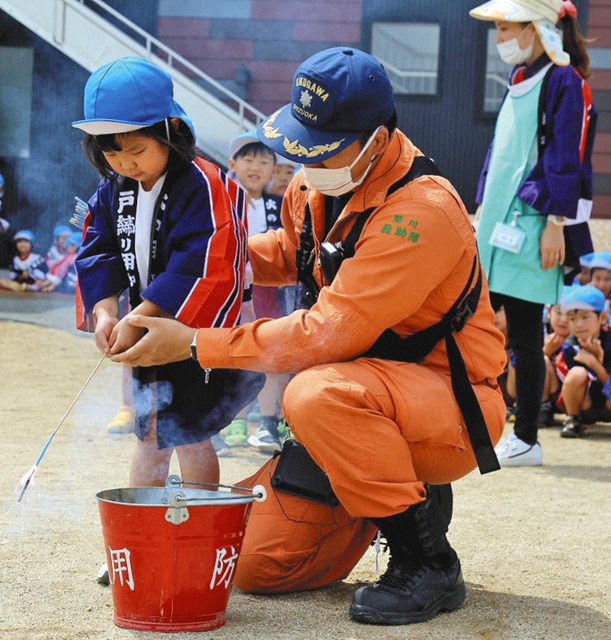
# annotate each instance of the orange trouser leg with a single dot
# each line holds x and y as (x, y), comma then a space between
(295, 544)
(380, 429)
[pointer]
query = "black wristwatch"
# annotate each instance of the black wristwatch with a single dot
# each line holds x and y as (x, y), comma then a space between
(194, 347)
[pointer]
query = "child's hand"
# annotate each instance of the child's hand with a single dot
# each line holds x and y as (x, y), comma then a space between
(552, 343)
(124, 336)
(104, 326)
(593, 346)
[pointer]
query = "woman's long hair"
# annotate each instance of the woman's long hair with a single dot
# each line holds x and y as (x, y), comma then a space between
(574, 44)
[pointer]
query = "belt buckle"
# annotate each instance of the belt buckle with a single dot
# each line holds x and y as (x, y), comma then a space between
(460, 318)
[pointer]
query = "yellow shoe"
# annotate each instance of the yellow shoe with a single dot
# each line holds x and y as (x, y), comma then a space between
(123, 422)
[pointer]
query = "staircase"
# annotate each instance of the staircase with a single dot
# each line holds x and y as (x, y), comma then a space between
(87, 37)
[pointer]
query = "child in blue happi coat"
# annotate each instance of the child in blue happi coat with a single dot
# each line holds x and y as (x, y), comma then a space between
(169, 227)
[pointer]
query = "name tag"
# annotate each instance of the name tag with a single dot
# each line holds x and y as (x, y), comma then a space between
(507, 237)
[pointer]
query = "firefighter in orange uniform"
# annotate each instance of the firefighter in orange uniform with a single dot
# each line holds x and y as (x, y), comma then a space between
(396, 358)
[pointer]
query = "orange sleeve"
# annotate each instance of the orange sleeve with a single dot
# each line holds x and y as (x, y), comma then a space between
(395, 269)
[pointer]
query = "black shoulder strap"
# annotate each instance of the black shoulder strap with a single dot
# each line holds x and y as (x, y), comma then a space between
(421, 166)
(304, 260)
(544, 126)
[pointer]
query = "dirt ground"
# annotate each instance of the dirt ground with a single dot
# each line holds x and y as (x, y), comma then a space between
(535, 543)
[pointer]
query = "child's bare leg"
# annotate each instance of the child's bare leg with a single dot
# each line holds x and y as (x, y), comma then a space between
(549, 378)
(270, 397)
(127, 386)
(150, 465)
(198, 462)
(12, 285)
(574, 391)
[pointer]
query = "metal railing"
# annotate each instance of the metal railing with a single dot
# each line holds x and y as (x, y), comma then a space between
(411, 82)
(154, 46)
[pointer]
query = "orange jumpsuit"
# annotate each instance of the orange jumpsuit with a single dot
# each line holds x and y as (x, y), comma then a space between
(378, 428)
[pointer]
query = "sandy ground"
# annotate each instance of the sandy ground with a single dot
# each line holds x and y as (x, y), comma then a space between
(535, 543)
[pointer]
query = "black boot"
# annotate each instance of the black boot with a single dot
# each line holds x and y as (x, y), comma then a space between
(423, 575)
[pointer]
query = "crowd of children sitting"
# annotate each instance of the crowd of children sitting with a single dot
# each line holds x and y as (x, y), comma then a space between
(30, 271)
(577, 349)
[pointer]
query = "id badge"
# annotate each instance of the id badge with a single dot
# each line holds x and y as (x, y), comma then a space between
(508, 237)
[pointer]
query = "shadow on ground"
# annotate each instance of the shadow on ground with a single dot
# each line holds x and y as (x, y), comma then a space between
(486, 615)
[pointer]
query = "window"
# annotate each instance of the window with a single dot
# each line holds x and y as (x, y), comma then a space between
(497, 73)
(16, 65)
(409, 52)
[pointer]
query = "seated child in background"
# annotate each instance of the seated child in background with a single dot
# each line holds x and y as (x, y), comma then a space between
(552, 345)
(584, 362)
(57, 251)
(252, 164)
(283, 174)
(600, 276)
(583, 277)
(284, 171)
(62, 273)
(28, 269)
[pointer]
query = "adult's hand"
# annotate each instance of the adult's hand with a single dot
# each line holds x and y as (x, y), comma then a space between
(165, 341)
(124, 336)
(552, 246)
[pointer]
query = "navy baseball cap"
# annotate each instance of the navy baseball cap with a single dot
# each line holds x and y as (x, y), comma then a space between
(128, 94)
(586, 297)
(338, 94)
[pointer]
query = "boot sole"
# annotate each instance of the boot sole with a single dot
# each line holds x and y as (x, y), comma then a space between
(450, 602)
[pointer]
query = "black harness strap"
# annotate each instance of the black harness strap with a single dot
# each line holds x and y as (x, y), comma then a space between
(421, 166)
(414, 348)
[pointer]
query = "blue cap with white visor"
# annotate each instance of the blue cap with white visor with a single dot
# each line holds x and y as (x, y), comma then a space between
(128, 94)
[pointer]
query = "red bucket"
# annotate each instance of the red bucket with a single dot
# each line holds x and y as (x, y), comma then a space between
(172, 553)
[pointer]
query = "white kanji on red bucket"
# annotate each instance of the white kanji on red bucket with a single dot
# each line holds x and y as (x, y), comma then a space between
(224, 567)
(121, 566)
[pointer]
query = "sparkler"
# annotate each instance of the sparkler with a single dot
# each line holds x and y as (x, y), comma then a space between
(81, 209)
(26, 479)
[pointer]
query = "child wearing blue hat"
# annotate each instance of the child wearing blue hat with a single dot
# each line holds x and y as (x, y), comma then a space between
(584, 363)
(28, 269)
(169, 227)
(600, 275)
(62, 272)
(252, 163)
(57, 251)
(552, 344)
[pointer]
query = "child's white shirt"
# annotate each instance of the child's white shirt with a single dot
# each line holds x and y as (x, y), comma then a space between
(257, 217)
(144, 222)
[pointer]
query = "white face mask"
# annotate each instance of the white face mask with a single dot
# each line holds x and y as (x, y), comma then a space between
(336, 182)
(512, 53)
